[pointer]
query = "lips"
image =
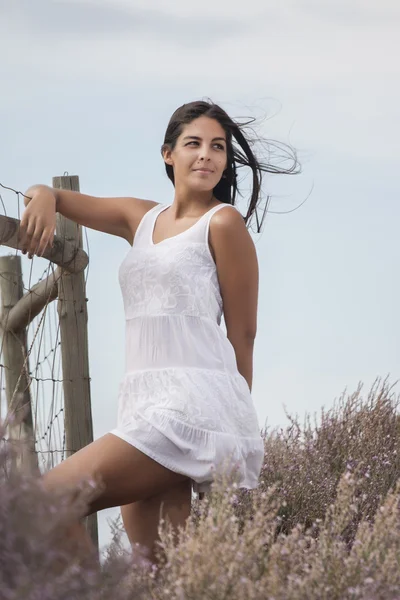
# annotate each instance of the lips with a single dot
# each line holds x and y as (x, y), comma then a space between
(204, 170)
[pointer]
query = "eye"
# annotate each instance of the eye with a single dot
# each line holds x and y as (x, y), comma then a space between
(220, 146)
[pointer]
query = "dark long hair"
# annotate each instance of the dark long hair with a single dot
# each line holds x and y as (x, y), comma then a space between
(238, 155)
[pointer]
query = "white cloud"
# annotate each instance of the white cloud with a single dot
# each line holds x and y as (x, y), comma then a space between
(85, 20)
(122, 45)
(340, 11)
(338, 76)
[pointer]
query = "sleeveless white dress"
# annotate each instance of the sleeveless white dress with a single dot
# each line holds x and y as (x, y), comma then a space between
(182, 400)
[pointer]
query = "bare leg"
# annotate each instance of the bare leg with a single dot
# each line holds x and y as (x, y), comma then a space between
(127, 474)
(141, 518)
(86, 554)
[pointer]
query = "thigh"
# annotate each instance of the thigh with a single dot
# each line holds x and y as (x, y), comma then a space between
(127, 474)
(141, 518)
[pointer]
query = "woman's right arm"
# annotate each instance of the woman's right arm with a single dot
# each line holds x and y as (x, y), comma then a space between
(117, 216)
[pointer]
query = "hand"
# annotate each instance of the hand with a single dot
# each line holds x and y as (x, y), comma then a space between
(38, 223)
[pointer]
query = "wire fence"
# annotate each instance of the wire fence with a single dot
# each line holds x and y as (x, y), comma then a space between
(43, 365)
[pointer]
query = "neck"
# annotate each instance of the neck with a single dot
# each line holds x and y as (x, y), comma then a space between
(191, 203)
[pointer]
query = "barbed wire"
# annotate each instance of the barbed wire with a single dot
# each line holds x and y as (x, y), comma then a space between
(50, 425)
(5, 187)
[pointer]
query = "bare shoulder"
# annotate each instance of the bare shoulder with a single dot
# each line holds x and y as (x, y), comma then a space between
(237, 267)
(228, 231)
(227, 217)
(136, 208)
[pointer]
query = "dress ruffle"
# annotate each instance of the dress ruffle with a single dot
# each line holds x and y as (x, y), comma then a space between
(192, 421)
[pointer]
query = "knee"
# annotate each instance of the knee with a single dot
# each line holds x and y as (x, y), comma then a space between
(62, 483)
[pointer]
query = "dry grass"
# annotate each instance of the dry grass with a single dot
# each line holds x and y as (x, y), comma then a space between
(324, 523)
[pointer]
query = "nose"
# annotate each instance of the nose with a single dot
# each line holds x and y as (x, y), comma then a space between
(204, 153)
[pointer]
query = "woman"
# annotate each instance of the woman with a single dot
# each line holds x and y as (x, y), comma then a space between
(185, 402)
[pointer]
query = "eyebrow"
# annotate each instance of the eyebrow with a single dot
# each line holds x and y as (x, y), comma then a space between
(196, 137)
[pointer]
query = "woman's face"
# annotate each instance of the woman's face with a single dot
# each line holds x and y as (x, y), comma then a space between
(201, 145)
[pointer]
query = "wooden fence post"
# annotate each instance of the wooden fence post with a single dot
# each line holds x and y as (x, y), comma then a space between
(72, 311)
(16, 364)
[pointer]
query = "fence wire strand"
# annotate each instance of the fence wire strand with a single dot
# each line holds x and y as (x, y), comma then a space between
(43, 364)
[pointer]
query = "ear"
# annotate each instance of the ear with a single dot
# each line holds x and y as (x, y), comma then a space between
(167, 155)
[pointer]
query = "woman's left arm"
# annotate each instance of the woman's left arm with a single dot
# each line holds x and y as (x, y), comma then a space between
(237, 267)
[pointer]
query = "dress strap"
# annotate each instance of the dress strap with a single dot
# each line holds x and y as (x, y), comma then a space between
(210, 214)
(198, 232)
(146, 223)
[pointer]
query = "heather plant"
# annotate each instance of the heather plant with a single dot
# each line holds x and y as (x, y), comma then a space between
(37, 559)
(324, 523)
(305, 463)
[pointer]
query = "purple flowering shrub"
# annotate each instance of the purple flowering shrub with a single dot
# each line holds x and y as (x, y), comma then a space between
(324, 523)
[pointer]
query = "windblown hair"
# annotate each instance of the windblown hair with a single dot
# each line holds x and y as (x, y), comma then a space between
(239, 154)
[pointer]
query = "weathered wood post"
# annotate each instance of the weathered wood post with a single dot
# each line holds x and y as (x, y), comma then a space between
(72, 311)
(14, 340)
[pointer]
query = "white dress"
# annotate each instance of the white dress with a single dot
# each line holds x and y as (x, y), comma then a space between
(182, 400)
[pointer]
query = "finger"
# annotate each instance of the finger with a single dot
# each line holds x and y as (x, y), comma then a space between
(24, 221)
(45, 242)
(34, 246)
(31, 226)
(22, 229)
(23, 238)
(42, 245)
(30, 229)
(35, 240)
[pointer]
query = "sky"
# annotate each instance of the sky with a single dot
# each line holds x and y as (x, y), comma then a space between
(88, 88)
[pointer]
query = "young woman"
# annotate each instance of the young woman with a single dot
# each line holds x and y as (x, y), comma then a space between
(185, 404)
